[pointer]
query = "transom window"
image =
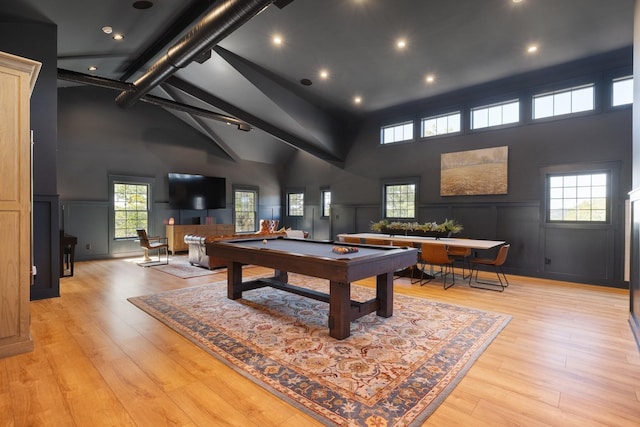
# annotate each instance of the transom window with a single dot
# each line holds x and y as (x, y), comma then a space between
(578, 197)
(495, 114)
(440, 125)
(245, 208)
(396, 133)
(567, 101)
(400, 200)
(295, 204)
(622, 93)
(326, 203)
(131, 209)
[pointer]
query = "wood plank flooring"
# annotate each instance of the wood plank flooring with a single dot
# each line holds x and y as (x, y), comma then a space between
(567, 358)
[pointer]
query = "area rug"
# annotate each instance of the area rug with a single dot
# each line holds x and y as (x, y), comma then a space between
(180, 267)
(390, 372)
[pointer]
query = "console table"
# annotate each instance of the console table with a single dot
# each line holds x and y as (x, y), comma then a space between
(175, 233)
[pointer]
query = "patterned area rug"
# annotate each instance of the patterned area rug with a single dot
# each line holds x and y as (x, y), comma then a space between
(390, 372)
(179, 266)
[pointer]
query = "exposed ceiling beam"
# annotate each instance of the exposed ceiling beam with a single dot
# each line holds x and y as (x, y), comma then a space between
(274, 131)
(218, 23)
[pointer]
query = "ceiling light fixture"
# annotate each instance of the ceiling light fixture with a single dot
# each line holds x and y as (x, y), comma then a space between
(306, 82)
(92, 68)
(430, 78)
(401, 44)
(532, 48)
(118, 37)
(107, 29)
(324, 74)
(517, 1)
(277, 40)
(142, 4)
(357, 100)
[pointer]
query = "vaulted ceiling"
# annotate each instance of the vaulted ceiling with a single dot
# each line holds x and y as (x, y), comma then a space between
(213, 63)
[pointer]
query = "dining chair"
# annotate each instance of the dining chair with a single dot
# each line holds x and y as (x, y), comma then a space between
(153, 244)
(435, 255)
(461, 254)
(497, 263)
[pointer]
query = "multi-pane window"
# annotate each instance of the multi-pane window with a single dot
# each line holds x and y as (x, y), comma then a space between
(495, 114)
(295, 204)
(622, 91)
(567, 101)
(578, 197)
(400, 200)
(326, 203)
(245, 207)
(440, 125)
(396, 133)
(131, 209)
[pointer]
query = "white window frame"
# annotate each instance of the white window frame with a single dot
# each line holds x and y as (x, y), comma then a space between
(397, 132)
(390, 199)
(325, 202)
(146, 224)
(442, 124)
(568, 97)
(242, 215)
(567, 191)
(295, 208)
(618, 93)
(493, 115)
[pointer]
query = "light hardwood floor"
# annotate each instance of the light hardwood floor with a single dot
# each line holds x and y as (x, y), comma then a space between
(567, 358)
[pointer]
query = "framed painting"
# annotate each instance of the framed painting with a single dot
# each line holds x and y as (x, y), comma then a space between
(474, 172)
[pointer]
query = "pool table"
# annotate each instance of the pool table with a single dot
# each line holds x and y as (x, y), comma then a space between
(317, 259)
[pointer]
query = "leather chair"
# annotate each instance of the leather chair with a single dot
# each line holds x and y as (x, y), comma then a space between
(153, 244)
(462, 255)
(497, 263)
(435, 255)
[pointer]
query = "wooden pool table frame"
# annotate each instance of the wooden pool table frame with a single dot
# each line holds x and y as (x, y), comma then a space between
(339, 270)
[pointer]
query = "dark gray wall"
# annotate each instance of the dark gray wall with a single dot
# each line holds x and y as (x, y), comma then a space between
(37, 41)
(96, 139)
(600, 138)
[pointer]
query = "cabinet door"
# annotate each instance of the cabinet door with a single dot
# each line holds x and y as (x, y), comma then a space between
(15, 203)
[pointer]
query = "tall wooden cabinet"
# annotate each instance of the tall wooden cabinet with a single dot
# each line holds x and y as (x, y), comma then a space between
(17, 79)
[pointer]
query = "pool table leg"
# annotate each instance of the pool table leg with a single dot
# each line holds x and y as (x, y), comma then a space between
(234, 280)
(339, 310)
(384, 294)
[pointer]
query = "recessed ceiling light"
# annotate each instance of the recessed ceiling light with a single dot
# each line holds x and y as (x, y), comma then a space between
(107, 29)
(118, 37)
(430, 78)
(357, 100)
(92, 68)
(532, 48)
(142, 4)
(277, 40)
(306, 82)
(517, 1)
(324, 74)
(401, 44)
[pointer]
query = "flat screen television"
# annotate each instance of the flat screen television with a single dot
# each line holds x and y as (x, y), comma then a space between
(187, 191)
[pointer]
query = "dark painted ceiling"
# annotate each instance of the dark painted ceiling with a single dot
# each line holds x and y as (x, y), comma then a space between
(461, 43)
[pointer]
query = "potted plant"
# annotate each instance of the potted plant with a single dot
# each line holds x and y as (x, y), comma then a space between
(428, 229)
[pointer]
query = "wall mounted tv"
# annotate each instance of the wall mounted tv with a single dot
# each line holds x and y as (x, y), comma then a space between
(188, 191)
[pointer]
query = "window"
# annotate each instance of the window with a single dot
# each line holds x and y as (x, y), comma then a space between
(495, 115)
(578, 197)
(396, 133)
(400, 200)
(131, 208)
(622, 93)
(245, 202)
(440, 125)
(566, 101)
(295, 204)
(326, 202)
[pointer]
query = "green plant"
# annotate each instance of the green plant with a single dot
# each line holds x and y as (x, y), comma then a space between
(449, 225)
